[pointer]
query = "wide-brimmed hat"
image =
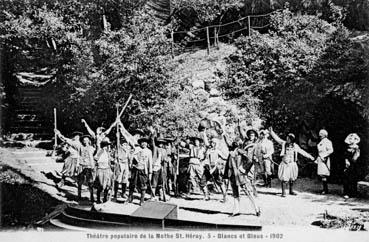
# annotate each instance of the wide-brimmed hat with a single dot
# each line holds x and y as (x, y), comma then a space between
(161, 141)
(291, 136)
(143, 139)
(86, 136)
(170, 139)
(264, 132)
(75, 133)
(248, 132)
(196, 138)
(105, 142)
(138, 131)
(352, 139)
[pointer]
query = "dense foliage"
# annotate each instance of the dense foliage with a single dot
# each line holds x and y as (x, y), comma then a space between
(95, 63)
(303, 69)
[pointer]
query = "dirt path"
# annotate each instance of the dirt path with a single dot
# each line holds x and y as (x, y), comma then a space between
(300, 210)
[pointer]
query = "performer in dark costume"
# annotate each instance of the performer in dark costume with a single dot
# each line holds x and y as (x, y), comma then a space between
(352, 155)
(237, 180)
(87, 166)
(104, 173)
(121, 168)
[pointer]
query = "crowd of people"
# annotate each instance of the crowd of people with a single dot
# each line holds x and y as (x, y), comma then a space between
(150, 163)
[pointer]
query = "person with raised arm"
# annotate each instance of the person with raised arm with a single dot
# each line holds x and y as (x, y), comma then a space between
(250, 138)
(100, 134)
(215, 166)
(158, 166)
(123, 158)
(234, 171)
(141, 166)
(288, 170)
(103, 180)
(195, 169)
(70, 167)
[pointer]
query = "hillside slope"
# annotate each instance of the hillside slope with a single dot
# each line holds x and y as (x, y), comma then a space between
(197, 78)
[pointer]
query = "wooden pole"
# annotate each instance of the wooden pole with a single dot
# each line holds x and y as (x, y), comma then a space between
(125, 105)
(208, 39)
(55, 127)
(118, 133)
(172, 43)
(248, 25)
(215, 37)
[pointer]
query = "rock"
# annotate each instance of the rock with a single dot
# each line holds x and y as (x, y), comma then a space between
(363, 188)
(214, 92)
(198, 84)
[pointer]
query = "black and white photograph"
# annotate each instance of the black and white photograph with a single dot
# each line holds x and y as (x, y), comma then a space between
(184, 120)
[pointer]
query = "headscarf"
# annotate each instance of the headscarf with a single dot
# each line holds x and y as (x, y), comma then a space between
(352, 139)
(323, 133)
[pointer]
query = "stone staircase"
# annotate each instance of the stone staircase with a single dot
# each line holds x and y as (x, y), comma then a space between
(29, 127)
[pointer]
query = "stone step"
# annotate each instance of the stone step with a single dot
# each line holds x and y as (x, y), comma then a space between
(29, 123)
(30, 129)
(26, 116)
(28, 136)
(24, 111)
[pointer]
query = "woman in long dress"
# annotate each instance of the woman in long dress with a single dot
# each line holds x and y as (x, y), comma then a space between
(288, 170)
(350, 174)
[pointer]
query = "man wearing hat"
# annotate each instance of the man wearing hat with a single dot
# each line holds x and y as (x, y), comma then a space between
(72, 161)
(87, 166)
(250, 140)
(159, 166)
(233, 172)
(196, 167)
(325, 150)
(351, 170)
(215, 162)
(123, 158)
(104, 173)
(171, 159)
(263, 155)
(141, 169)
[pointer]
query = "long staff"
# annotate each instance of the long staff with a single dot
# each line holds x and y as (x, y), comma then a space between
(55, 136)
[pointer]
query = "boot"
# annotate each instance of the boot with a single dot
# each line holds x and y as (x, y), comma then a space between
(291, 189)
(236, 207)
(142, 200)
(206, 193)
(92, 195)
(269, 181)
(98, 193)
(283, 184)
(116, 186)
(79, 191)
(189, 189)
(325, 187)
(130, 196)
(222, 187)
(124, 189)
(106, 193)
(265, 179)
